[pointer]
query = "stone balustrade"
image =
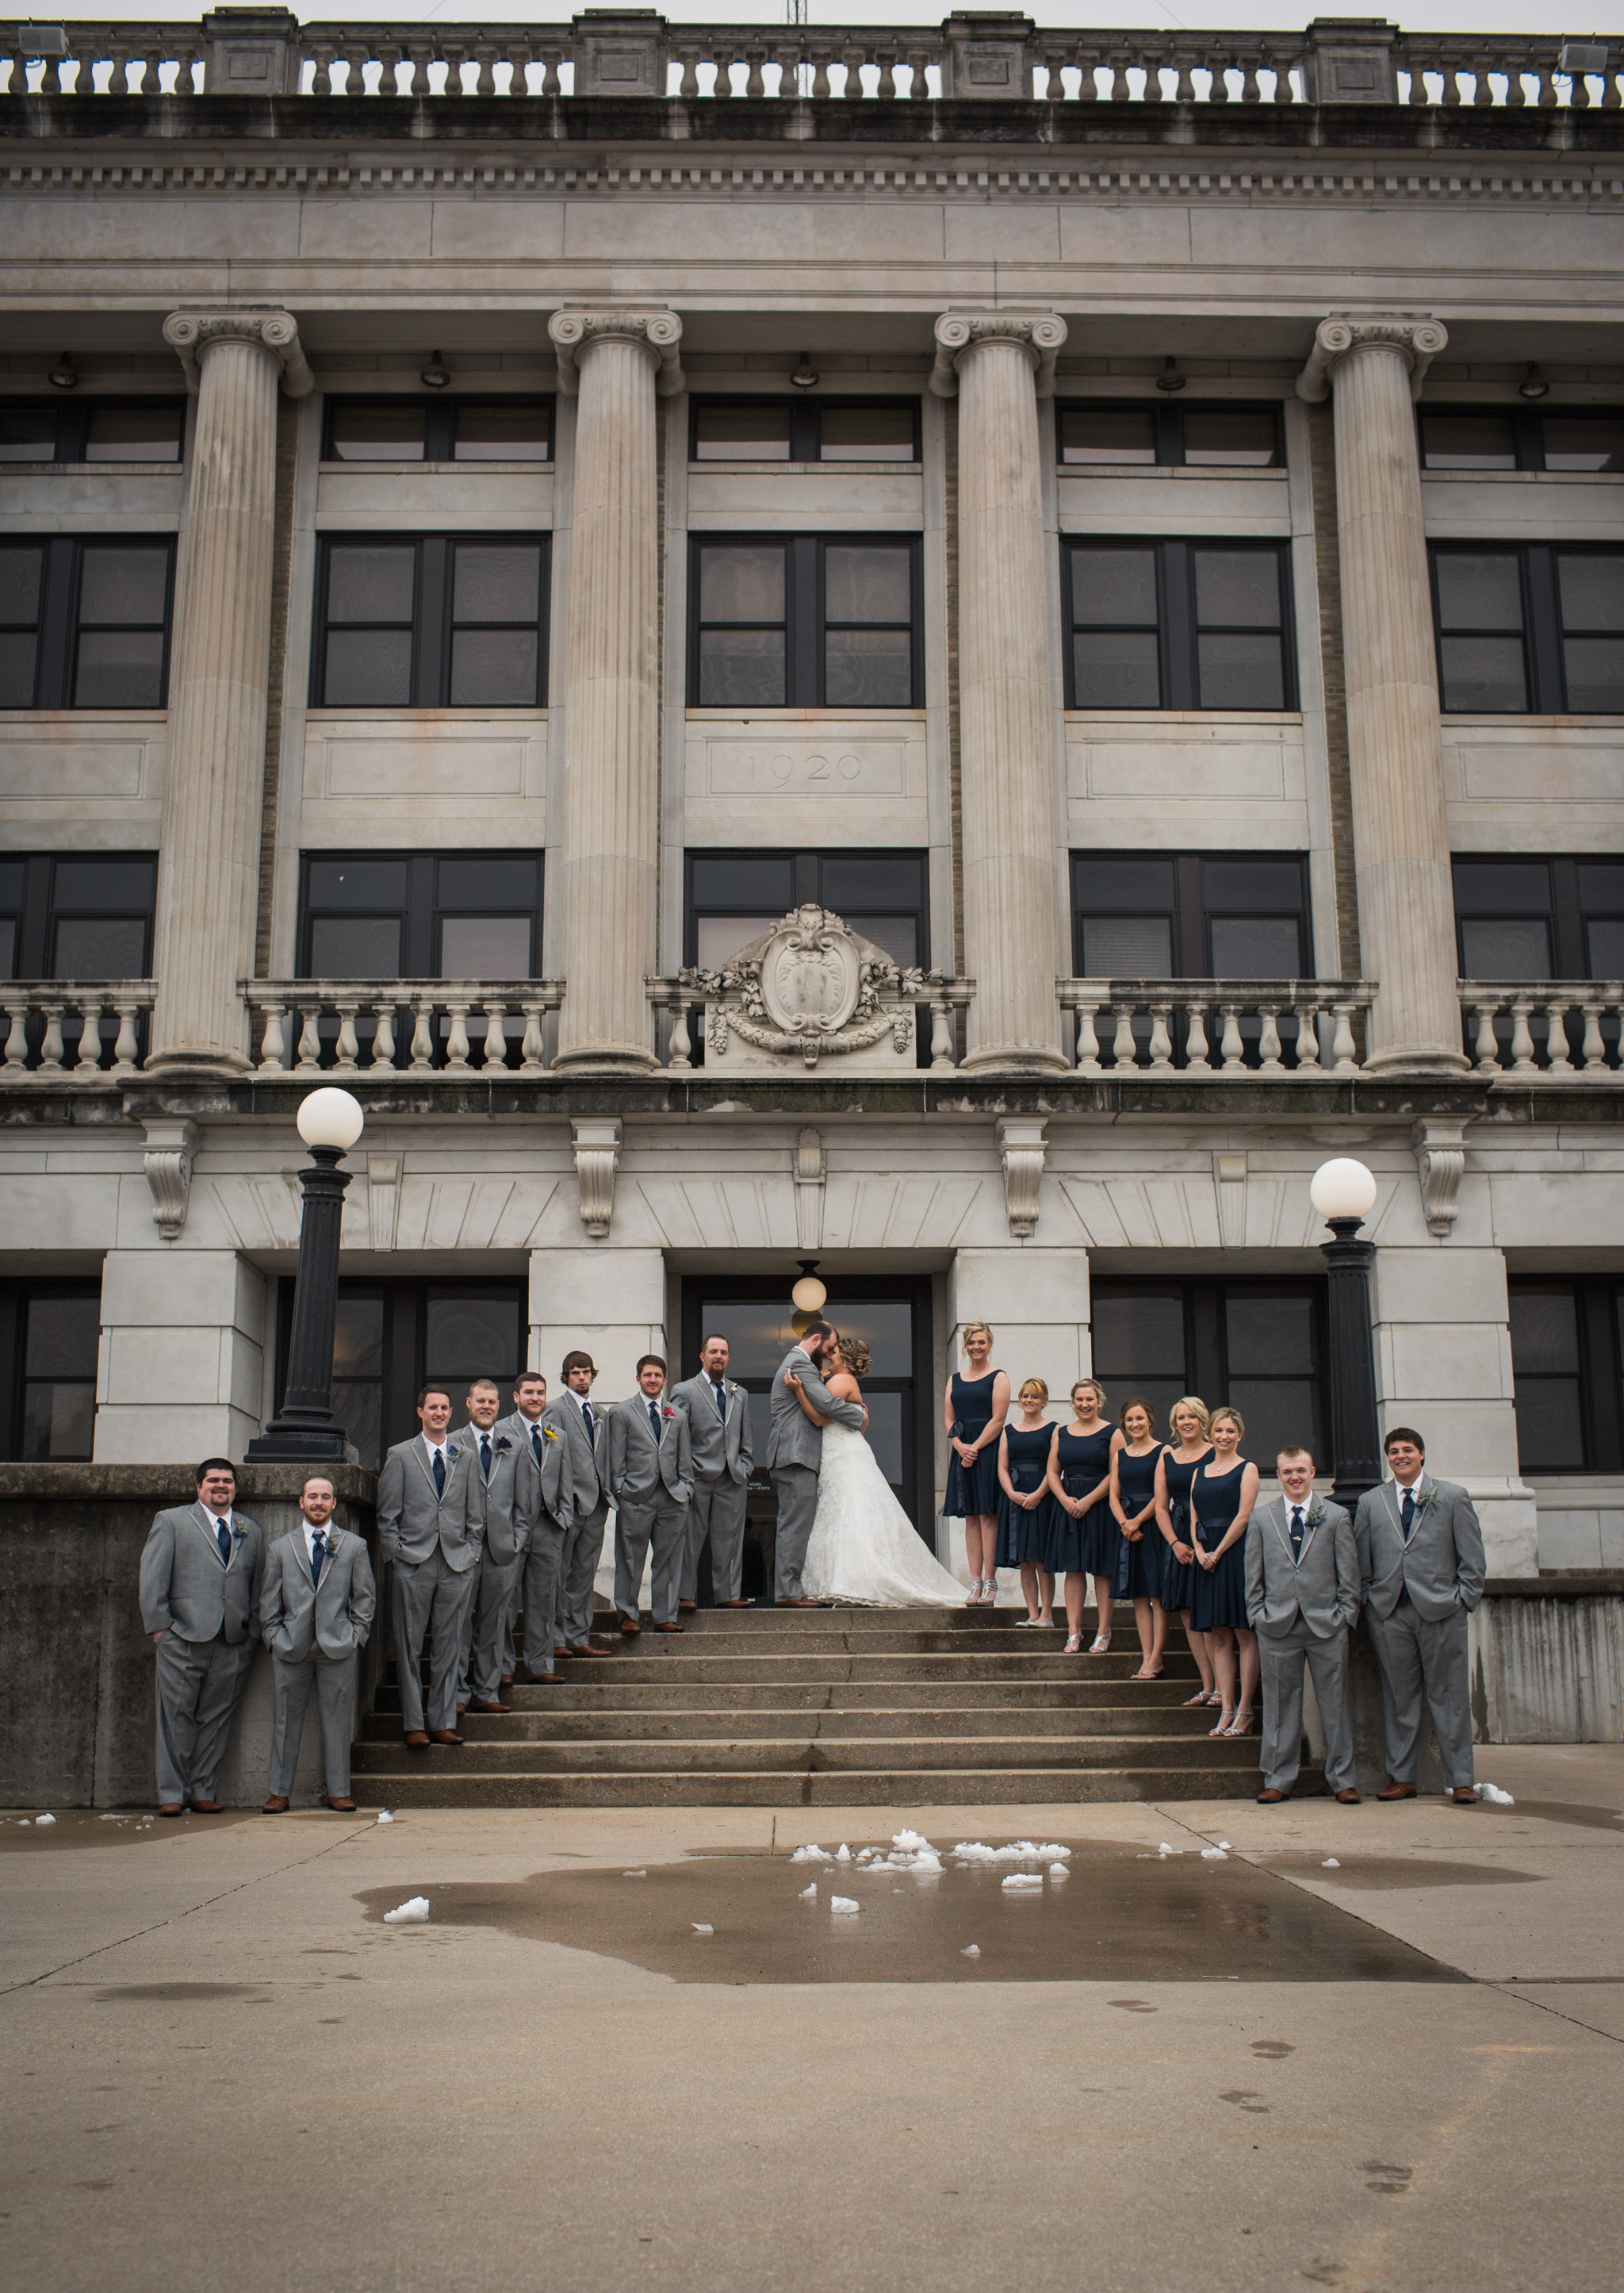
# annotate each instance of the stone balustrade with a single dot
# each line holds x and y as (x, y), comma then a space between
(1559, 1029)
(1230, 1027)
(362, 1027)
(84, 1031)
(772, 62)
(689, 991)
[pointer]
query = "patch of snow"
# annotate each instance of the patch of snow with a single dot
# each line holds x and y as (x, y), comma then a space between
(1330, 1864)
(812, 1855)
(633, 1874)
(909, 1843)
(970, 1950)
(1224, 1843)
(844, 1903)
(1024, 1882)
(843, 1853)
(1214, 1855)
(385, 1815)
(702, 1927)
(809, 1894)
(40, 1821)
(1491, 1792)
(1059, 1871)
(412, 1914)
(1023, 1850)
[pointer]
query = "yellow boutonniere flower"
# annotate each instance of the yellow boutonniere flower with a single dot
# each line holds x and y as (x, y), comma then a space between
(548, 1433)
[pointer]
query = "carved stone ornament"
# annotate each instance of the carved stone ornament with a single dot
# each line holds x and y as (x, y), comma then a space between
(1022, 1149)
(172, 1144)
(811, 988)
(191, 334)
(658, 334)
(597, 1158)
(1439, 1147)
(1040, 334)
(1421, 340)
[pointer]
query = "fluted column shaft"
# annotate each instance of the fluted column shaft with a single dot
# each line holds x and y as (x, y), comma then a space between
(608, 852)
(1401, 826)
(219, 686)
(1005, 692)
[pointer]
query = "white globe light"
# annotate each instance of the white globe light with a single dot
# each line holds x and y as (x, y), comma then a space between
(331, 1118)
(1342, 1188)
(808, 1293)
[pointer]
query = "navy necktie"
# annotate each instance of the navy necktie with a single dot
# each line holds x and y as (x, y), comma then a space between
(318, 1554)
(654, 1421)
(439, 1473)
(485, 1455)
(1407, 1512)
(1297, 1532)
(223, 1537)
(586, 1417)
(721, 1393)
(535, 1441)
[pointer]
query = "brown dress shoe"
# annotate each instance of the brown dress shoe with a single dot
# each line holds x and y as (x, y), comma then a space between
(1397, 1791)
(630, 1627)
(507, 1680)
(735, 1604)
(444, 1736)
(1349, 1798)
(544, 1680)
(416, 1739)
(586, 1648)
(686, 1608)
(491, 1709)
(1270, 1797)
(671, 1628)
(343, 1806)
(208, 1807)
(172, 1807)
(461, 1708)
(1465, 1795)
(275, 1805)
(803, 1603)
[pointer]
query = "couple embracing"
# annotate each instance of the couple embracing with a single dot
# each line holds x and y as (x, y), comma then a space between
(841, 1536)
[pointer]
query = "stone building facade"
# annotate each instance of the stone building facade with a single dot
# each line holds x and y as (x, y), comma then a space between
(958, 653)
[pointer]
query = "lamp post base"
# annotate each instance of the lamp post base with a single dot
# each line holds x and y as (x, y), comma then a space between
(298, 1444)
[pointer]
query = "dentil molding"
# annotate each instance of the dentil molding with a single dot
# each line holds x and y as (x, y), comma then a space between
(170, 1148)
(192, 334)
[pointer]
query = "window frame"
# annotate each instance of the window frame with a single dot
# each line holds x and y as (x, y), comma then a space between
(440, 424)
(807, 864)
(1167, 431)
(1204, 1298)
(1178, 627)
(59, 629)
(1190, 916)
(805, 410)
(1529, 443)
(1545, 676)
(1601, 1366)
(17, 1294)
(72, 416)
(805, 623)
(422, 916)
(40, 913)
(433, 627)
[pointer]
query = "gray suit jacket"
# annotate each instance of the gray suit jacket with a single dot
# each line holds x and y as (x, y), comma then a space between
(1444, 1564)
(721, 1445)
(585, 1458)
(412, 1520)
(556, 1494)
(185, 1586)
(512, 1494)
(637, 1472)
(330, 1620)
(794, 1440)
(1322, 1587)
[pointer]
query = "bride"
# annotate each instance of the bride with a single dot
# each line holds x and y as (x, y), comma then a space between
(864, 1551)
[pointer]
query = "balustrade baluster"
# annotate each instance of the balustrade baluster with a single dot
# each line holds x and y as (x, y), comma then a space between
(309, 1038)
(942, 1034)
(324, 56)
(389, 53)
(1161, 1041)
(551, 83)
(1269, 1061)
(1250, 91)
(422, 1033)
(1485, 1042)
(485, 57)
(1593, 1053)
(384, 1035)
(91, 1052)
(273, 1042)
(51, 1041)
(457, 1039)
(1087, 1041)
(344, 1060)
(16, 1010)
(680, 1052)
(1234, 1050)
(1197, 1053)
(495, 1036)
(1307, 1035)
(820, 61)
(532, 1051)
(756, 85)
(1522, 1036)
(1124, 1050)
(128, 1044)
(118, 78)
(1556, 1059)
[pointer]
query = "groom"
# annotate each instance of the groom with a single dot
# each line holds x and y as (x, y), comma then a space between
(795, 1451)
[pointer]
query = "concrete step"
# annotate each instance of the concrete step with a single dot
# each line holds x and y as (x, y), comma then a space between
(877, 1787)
(750, 1756)
(1147, 1696)
(701, 1674)
(959, 1621)
(619, 1725)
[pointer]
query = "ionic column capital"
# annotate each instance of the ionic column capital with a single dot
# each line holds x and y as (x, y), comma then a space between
(192, 334)
(657, 334)
(1417, 341)
(961, 333)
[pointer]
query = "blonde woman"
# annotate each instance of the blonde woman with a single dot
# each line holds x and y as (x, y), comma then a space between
(1132, 1501)
(1025, 1505)
(1223, 1491)
(974, 1409)
(863, 1549)
(1079, 1481)
(1188, 1422)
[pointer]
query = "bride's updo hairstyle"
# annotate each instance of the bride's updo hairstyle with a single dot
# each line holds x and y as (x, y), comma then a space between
(855, 1354)
(970, 1330)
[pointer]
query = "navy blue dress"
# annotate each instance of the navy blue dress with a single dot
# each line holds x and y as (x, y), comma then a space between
(1085, 1461)
(1177, 1588)
(1139, 1567)
(1218, 1595)
(975, 1488)
(1022, 1535)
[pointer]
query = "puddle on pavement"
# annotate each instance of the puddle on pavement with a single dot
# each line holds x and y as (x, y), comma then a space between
(1566, 1811)
(179, 1993)
(1120, 1916)
(1391, 1874)
(85, 1827)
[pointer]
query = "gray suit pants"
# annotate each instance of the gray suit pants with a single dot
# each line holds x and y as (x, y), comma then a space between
(637, 1527)
(200, 1684)
(716, 1511)
(538, 1594)
(430, 1597)
(1282, 1659)
(797, 1508)
(1420, 1659)
(487, 1624)
(577, 1568)
(290, 1695)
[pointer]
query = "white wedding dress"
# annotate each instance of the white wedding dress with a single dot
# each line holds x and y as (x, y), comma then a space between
(863, 1549)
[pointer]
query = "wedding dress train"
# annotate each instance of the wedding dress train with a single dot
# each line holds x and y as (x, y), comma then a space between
(863, 1547)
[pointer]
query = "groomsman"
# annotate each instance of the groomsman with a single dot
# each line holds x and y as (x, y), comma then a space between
(718, 1419)
(200, 1570)
(580, 1426)
(1302, 1596)
(315, 1611)
(1421, 1568)
(511, 1502)
(529, 1404)
(650, 1471)
(537, 1589)
(430, 1527)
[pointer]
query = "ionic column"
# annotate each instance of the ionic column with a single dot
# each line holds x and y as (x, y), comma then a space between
(608, 863)
(219, 683)
(999, 367)
(1401, 829)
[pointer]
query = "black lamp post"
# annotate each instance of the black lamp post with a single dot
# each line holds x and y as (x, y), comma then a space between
(330, 1122)
(1343, 1191)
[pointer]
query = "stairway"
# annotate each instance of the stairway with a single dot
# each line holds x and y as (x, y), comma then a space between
(826, 1707)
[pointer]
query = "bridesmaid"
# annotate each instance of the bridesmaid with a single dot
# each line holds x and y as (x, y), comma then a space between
(1189, 1423)
(1132, 1501)
(1024, 1506)
(974, 1409)
(1221, 1494)
(1079, 1481)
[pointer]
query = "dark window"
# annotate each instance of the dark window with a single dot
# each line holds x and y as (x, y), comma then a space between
(431, 622)
(49, 1332)
(391, 1335)
(1213, 436)
(1179, 625)
(1258, 1346)
(1521, 438)
(805, 621)
(1530, 628)
(438, 430)
(1194, 915)
(420, 915)
(803, 430)
(67, 916)
(1551, 918)
(92, 430)
(1567, 1349)
(85, 624)
(732, 898)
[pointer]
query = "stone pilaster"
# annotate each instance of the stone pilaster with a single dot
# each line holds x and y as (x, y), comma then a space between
(997, 366)
(219, 683)
(609, 854)
(1401, 830)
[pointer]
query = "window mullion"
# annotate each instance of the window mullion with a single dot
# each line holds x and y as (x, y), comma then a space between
(431, 646)
(1173, 579)
(1544, 661)
(54, 674)
(804, 587)
(420, 905)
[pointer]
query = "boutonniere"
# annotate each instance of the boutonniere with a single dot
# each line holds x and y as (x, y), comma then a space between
(503, 1445)
(548, 1433)
(1425, 1503)
(1316, 1513)
(668, 1413)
